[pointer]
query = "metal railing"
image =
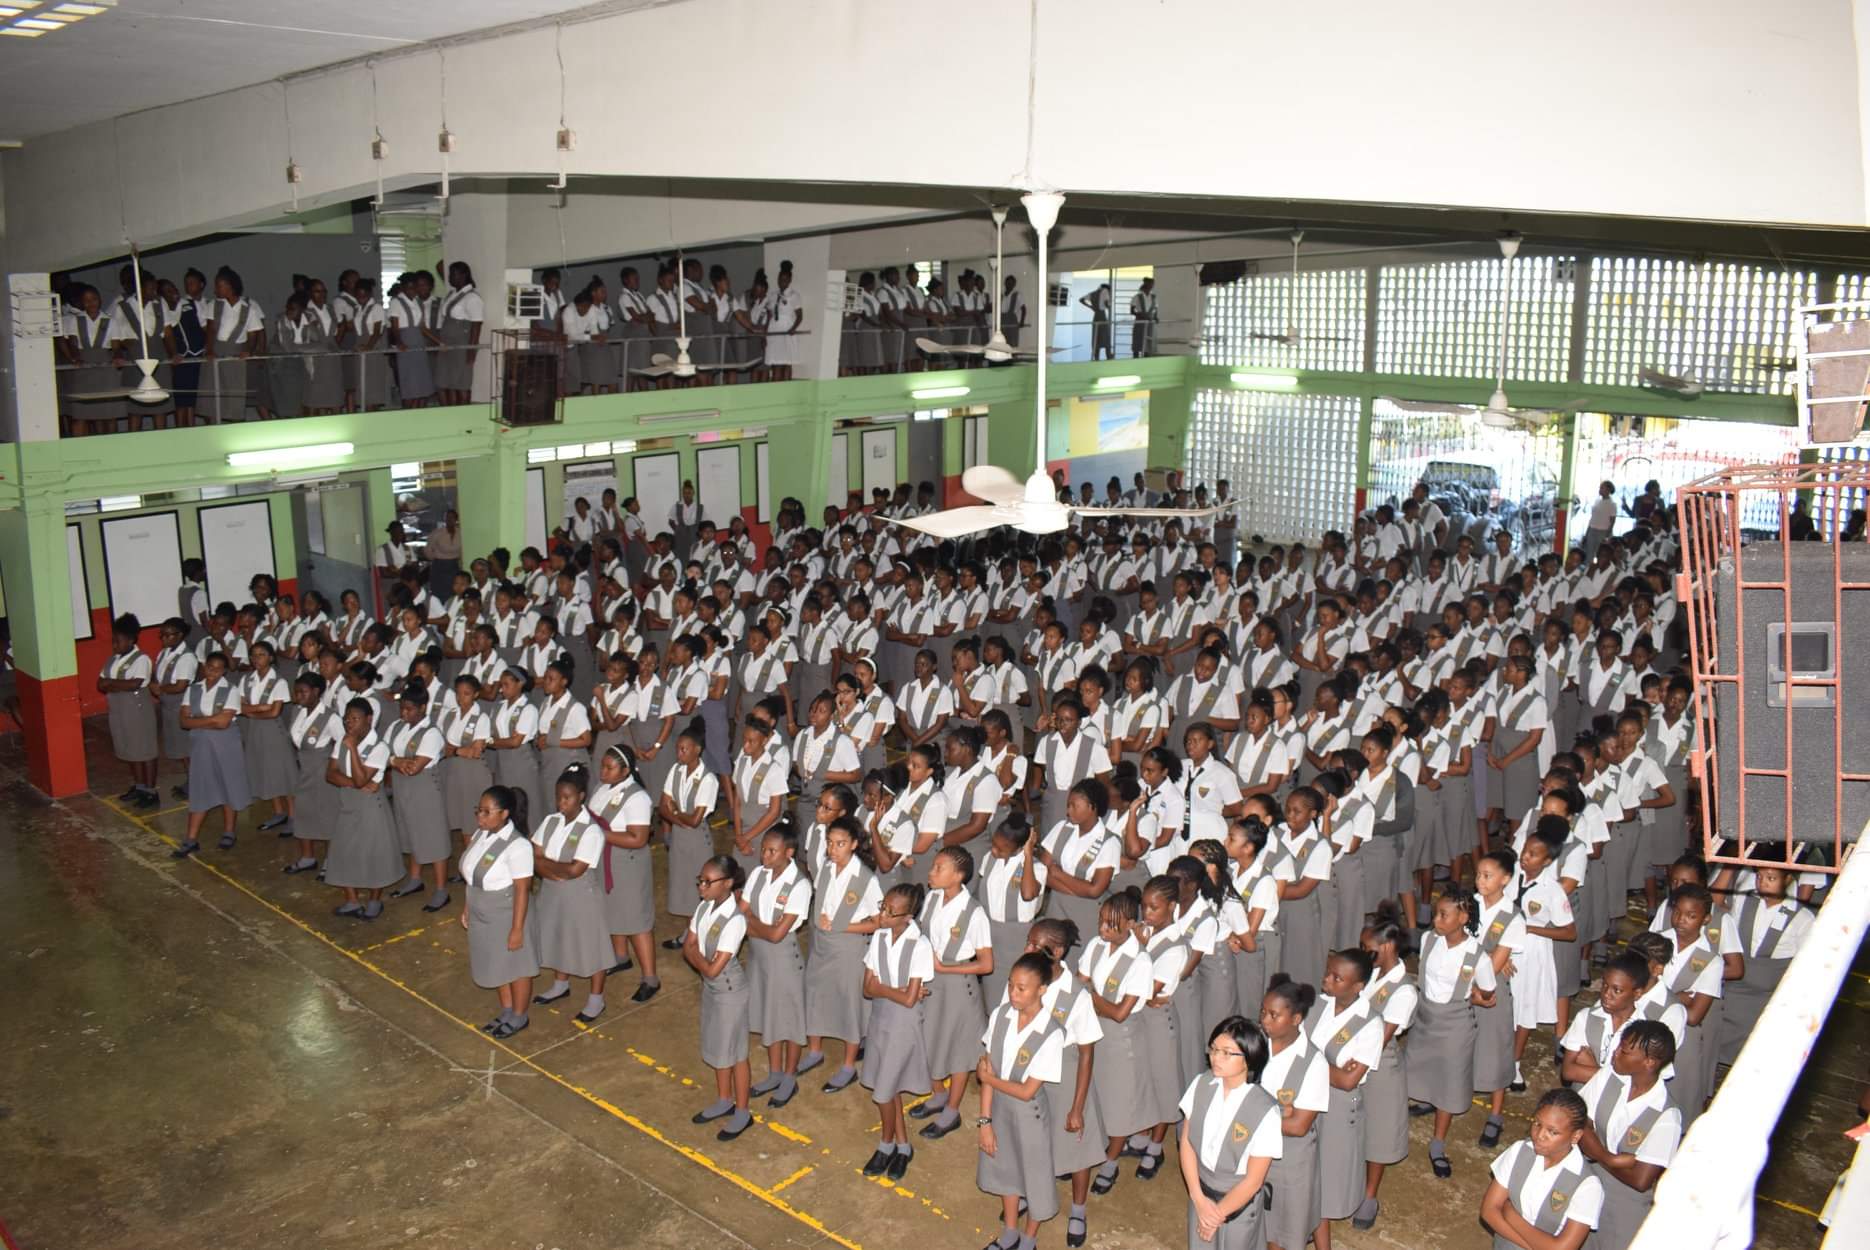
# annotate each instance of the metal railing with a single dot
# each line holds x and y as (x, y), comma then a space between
(869, 347)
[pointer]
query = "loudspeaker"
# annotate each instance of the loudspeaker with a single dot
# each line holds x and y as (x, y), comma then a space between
(1806, 631)
(529, 388)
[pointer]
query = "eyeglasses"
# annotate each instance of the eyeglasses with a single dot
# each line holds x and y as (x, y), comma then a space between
(705, 881)
(1222, 1052)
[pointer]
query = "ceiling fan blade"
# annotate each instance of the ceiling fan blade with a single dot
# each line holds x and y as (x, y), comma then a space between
(1427, 405)
(993, 483)
(96, 396)
(963, 349)
(1211, 510)
(932, 347)
(959, 522)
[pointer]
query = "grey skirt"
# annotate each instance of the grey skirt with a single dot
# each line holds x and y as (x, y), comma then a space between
(630, 903)
(1302, 930)
(1021, 1164)
(518, 767)
(134, 738)
(463, 782)
(1383, 874)
(217, 771)
(553, 761)
(364, 854)
(314, 802)
(835, 1005)
(1493, 1040)
(1215, 976)
(896, 1057)
(1340, 1156)
(223, 395)
(1422, 845)
(952, 1020)
(175, 740)
(1009, 943)
(778, 977)
(414, 380)
(1162, 1066)
(569, 932)
(1080, 911)
(1120, 1078)
(726, 1017)
(1625, 862)
(1386, 1108)
(1294, 1181)
(1441, 1054)
(490, 920)
(689, 849)
(454, 371)
(808, 682)
(1073, 1152)
(1457, 819)
(421, 820)
(1253, 969)
(1347, 874)
(1623, 1212)
(1742, 1002)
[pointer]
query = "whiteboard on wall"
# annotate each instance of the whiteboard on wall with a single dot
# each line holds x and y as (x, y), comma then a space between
(879, 460)
(763, 481)
(588, 480)
(236, 543)
(142, 564)
(717, 480)
(838, 488)
(80, 593)
(658, 487)
(536, 529)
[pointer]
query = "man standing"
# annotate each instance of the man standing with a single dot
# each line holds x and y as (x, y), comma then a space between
(1012, 310)
(1143, 314)
(1098, 302)
(1603, 517)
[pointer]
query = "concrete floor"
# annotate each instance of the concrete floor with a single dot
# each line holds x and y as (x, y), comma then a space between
(201, 1054)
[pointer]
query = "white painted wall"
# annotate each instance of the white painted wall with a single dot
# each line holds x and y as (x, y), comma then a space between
(1712, 109)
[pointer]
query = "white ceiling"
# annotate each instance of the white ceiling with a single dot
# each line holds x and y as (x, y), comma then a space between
(147, 53)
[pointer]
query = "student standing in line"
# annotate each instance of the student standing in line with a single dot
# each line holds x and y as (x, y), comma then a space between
(1349, 1031)
(466, 730)
(416, 748)
(217, 774)
(846, 898)
(1502, 935)
(775, 903)
(461, 316)
(962, 942)
(1255, 877)
(1230, 1138)
(515, 724)
(1769, 929)
(1693, 977)
(1634, 1132)
(1011, 886)
(174, 672)
(134, 736)
(711, 947)
(1386, 1107)
(1297, 1075)
(569, 929)
(497, 866)
(1542, 1195)
(1166, 947)
(623, 809)
(271, 769)
(1078, 1131)
(1541, 899)
(364, 857)
(1118, 973)
(314, 730)
(898, 964)
(1024, 1051)
(1453, 977)
(688, 798)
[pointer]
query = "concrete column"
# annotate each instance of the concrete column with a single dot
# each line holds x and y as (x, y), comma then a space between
(496, 484)
(34, 553)
(475, 231)
(29, 323)
(800, 462)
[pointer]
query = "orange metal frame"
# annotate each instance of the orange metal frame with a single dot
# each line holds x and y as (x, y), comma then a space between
(1709, 512)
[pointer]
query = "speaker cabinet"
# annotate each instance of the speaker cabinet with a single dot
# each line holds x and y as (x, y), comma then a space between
(529, 388)
(1771, 639)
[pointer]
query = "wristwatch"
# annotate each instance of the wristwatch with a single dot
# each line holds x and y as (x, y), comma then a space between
(982, 1121)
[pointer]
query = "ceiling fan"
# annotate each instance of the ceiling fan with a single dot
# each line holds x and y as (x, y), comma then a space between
(1032, 505)
(1291, 337)
(661, 366)
(996, 349)
(145, 391)
(1497, 412)
(1678, 386)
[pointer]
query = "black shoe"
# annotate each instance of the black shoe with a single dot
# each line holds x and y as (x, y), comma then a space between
(227, 842)
(622, 965)
(672, 944)
(1075, 1239)
(178, 792)
(130, 795)
(585, 1018)
(1417, 1109)
(406, 889)
(899, 1165)
(187, 848)
(1147, 1169)
(1490, 1134)
(1358, 1221)
(446, 899)
(702, 1116)
(728, 1134)
(1100, 1184)
(491, 1025)
(937, 1130)
(878, 1163)
(148, 799)
(926, 1108)
(645, 992)
(276, 822)
(1517, 1087)
(1442, 1168)
(508, 1029)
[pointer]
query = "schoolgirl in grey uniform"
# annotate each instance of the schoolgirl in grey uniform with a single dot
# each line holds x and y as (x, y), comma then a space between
(515, 725)
(1078, 1132)
(364, 857)
(1024, 1051)
(1298, 1077)
(688, 797)
(907, 814)
(415, 775)
(1010, 883)
(314, 730)
(497, 867)
(624, 810)
(898, 964)
(1170, 958)
(822, 756)
(217, 768)
(1207, 994)
(1080, 853)
(776, 902)
(1454, 976)
(1119, 975)
(1256, 880)
(846, 898)
(956, 927)
(570, 932)
(564, 725)
(650, 723)
(1543, 1186)
(174, 672)
(1230, 1138)
(1386, 1109)
(1349, 1030)
(466, 729)
(134, 738)
(1301, 913)
(757, 795)
(1502, 934)
(711, 947)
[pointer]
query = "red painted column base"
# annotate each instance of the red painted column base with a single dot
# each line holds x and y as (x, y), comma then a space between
(54, 726)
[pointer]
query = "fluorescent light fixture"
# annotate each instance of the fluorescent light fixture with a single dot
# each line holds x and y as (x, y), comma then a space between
(1118, 381)
(940, 392)
(38, 23)
(80, 10)
(9, 10)
(290, 457)
(1265, 381)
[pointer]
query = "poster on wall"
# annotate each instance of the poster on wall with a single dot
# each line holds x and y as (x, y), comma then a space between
(587, 480)
(1102, 437)
(142, 564)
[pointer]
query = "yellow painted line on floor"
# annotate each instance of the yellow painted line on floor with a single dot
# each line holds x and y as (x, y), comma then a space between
(1790, 1206)
(734, 1178)
(799, 1175)
(400, 937)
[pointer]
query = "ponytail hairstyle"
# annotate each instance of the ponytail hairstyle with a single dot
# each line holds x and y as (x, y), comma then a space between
(1252, 831)
(1094, 792)
(1214, 856)
(1038, 963)
(1463, 900)
(912, 892)
(565, 668)
(1362, 960)
(1055, 932)
(730, 868)
(1296, 995)
(578, 777)
(1188, 870)
(1163, 886)
(1167, 760)
(624, 759)
(512, 801)
(696, 731)
(854, 829)
(962, 859)
(1653, 1039)
(929, 754)
(786, 832)
(1386, 928)
(1506, 859)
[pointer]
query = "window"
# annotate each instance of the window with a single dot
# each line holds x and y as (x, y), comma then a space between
(1727, 327)
(1291, 459)
(1326, 310)
(1482, 477)
(1443, 320)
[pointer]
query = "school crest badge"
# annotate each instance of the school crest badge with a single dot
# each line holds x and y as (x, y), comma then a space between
(1203, 790)
(1496, 928)
(1634, 1138)
(1344, 1035)
(1698, 963)
(955, 932)
(1025, 1056)
(850, 896)
(1240, 1133)
(1534, 908)
(1558, 1200)
(1110, 987)
(1285, 1097)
